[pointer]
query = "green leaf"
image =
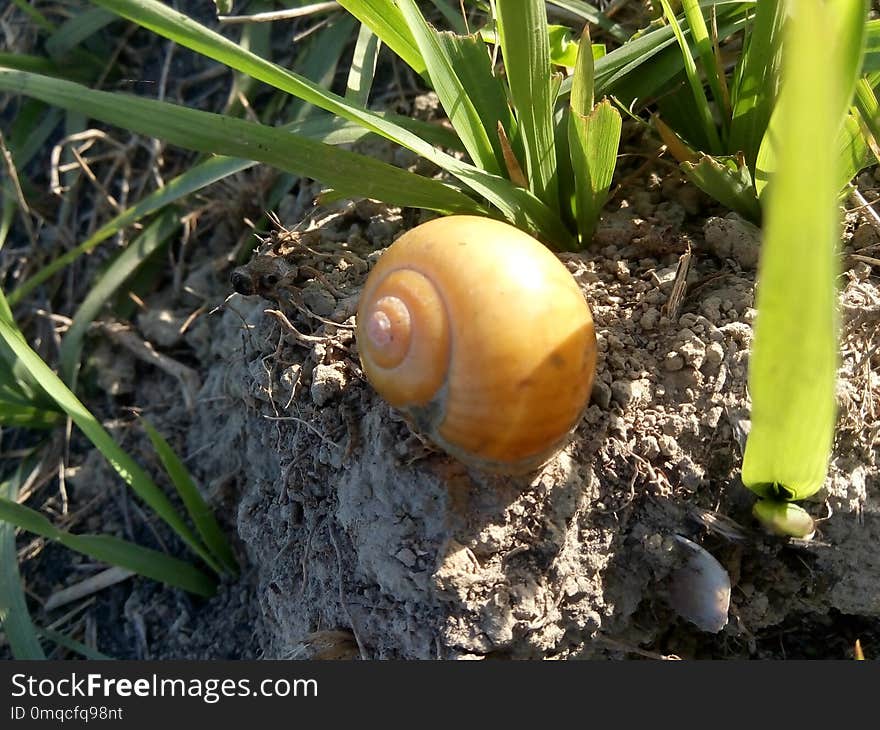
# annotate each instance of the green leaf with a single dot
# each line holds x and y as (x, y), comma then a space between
(728, 180)
(74, 31)
(14, 615)
(593, 142)
(519, 207)
(470, 59)
(199, 511)
(75, 646)
(793, 365)
(690, 68)
(145, 245)
(356, 174)
(522, 30)
(125, 466)
(385, 19)
(456, 102)
(713, 73)
(757, 81)
(325, 129)
(591, 14)
(109, 549)
(363, 67)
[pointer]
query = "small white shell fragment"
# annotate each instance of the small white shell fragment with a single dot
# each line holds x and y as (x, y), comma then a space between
(699, 589)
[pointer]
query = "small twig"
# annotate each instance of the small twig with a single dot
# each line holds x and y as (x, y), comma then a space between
(84, 588)
(289, 14)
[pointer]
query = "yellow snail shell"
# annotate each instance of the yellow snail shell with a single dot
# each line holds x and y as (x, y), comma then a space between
(481, 337)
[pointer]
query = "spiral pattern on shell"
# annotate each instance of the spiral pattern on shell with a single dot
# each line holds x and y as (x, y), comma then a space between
(482, 338)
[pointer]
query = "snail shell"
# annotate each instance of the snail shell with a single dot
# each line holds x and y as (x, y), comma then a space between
(481, 337)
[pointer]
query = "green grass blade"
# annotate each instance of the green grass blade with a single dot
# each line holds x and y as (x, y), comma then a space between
(125, 466)
(14, 615)
(592, 14)
(700, 38)
(473, 67)
(694, 81)
(74, 31)
(56, 637)
(454, 98)
(583, 78)
(515, 204)
(757, 86)
(325, 129)
(522, 30)
(357, 175)
(363, 67)
(35, 15)
(200, 513)
(385, 19)
(728, 181)
(793, 366)
(109, 549)
(156, 235)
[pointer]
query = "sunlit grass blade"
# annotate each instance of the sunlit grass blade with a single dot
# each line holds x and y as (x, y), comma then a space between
(868, 109)
(357, 175)
(694, 81)
(201, 175)
(125, 466)
(793, 365)
(727, 180)
(713, 73)
(515, 204)
(757, 81)
(156, 235)
(384, 18)
(454, 98)
(200, 513)
(14, 615)
(592, 14)
(473, 67)
(522, 31)
(363, 67)
(113, 550)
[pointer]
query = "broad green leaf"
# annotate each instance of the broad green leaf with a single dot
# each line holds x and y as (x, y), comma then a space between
(793, 365)
(517, 205)
(146, 244)
(14, 615)
(109, 549)
(757, 81)
(126, 467)
(727, 180)
(522, 30)
(868, 110)
(593, 142)
(563, 50)
(199, 512)
(456, 102)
